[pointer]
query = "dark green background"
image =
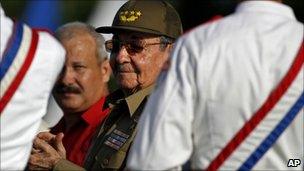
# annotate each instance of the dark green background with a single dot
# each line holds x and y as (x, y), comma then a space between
(192, 12)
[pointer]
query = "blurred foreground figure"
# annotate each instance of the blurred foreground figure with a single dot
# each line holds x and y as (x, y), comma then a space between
(30, 63)
(233, 97)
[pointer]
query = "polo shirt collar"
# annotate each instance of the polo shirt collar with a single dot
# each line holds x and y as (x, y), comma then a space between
(97, 110)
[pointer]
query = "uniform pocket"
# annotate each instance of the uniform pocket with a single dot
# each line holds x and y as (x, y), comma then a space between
(114, 161)
(117, 160)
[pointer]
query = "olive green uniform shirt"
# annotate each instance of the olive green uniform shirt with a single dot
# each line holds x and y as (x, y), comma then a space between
(112, 142)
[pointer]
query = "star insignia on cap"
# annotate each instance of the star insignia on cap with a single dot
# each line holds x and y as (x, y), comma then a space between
(129, 16)
(138, 13)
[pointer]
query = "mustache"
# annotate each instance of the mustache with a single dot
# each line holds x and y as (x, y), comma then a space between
(125, 68)
(61, 88)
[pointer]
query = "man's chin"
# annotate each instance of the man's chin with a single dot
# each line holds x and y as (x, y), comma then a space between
(129, 89)
(70, 104)
(127, 85)
(71, 109)
(126, 76)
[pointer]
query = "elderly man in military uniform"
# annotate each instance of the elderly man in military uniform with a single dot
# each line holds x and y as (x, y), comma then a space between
(143, 36)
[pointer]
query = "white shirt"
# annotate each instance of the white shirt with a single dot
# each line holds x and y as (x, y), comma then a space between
(21, 117)
(220, 74)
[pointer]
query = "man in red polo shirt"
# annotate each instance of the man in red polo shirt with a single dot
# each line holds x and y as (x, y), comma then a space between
(80, 92)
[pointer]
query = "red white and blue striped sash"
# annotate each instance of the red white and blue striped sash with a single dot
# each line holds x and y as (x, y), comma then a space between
(259, 133)
(16, 60)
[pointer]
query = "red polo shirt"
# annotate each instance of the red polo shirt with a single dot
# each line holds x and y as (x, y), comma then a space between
(78, 139)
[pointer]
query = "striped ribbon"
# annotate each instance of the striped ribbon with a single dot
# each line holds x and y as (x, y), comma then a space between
(256, 119)
(16, 60)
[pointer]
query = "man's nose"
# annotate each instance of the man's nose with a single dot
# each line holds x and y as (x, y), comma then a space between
(68, 76)
(122, 56)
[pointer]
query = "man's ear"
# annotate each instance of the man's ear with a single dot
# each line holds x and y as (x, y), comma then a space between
(166, 64)
(106, 70)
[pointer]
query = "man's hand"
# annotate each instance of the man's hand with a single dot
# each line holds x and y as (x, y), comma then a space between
(46, 136)
(47, 151)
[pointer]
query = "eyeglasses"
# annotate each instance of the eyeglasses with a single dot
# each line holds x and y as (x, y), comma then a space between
(132, 46)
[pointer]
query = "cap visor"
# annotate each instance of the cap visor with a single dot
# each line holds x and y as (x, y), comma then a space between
(118, 29)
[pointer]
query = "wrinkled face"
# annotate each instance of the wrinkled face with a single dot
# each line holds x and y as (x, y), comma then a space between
(83, 80)
(135, 70)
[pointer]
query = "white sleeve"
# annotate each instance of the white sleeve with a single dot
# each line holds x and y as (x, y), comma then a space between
(164, 134)
(22, 116)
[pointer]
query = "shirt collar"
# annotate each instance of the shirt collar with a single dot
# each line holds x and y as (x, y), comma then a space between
(93, 114)
(134, 100)
(266, 6)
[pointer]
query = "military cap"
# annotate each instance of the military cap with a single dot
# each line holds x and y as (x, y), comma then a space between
(146, 16)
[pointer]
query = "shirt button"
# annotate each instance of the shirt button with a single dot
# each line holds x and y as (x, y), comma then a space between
(105, 162)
